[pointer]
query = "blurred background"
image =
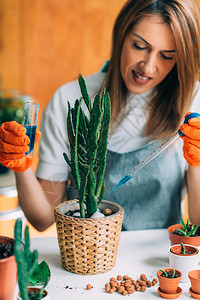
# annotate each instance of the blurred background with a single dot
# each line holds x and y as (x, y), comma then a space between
(43, 45)
(46, 43)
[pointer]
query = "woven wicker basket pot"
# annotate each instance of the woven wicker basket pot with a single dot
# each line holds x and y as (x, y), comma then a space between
(88, 246)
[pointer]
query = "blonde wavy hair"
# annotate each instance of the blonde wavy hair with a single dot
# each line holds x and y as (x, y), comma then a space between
(173, 96)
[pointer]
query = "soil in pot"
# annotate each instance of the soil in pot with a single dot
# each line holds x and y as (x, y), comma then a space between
(197, 233)
(169, 274)
(189, 250)
(6, 250)
(33, 294)
(76, 213)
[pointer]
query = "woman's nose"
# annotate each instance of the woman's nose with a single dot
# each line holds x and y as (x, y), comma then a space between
(150, 63)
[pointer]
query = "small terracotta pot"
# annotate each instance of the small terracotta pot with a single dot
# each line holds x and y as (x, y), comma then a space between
(183, 262)
(194, 277)
(8, 273)
(35, 289)
(169, 285)
(177, 239)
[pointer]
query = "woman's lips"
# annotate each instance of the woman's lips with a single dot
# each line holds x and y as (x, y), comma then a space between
(140, 79)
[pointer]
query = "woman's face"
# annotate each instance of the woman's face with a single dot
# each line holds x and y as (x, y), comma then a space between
(148, 54)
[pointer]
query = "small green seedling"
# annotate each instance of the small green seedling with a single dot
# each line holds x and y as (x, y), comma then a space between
(182, 248)
(168, 274)
(187, 230)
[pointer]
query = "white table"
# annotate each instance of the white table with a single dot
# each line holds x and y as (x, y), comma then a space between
(139, 252)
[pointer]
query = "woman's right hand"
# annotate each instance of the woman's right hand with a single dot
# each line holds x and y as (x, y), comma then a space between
(13, 144)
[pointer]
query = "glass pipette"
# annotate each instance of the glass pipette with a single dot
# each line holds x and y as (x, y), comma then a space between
(148, 159)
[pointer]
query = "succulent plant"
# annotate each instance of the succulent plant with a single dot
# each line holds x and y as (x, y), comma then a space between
(29, 271)
(169, 274)
(88, 137)
(187, 229)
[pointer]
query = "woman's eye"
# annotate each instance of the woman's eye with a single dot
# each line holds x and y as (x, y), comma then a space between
(166, 57)
(139, 47)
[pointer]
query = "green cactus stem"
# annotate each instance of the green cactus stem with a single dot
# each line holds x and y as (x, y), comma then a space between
(21, 261)
(182, 248)
(173, 274)
(88, 139)
(84, 92)
(102, 146)
(164, 272)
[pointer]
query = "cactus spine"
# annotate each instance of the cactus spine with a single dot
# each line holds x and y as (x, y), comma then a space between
(88, 147)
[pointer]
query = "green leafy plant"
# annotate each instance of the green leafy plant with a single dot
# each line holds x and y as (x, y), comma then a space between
(169, 274)
(28, 269)
(88, 138)
(187, 229)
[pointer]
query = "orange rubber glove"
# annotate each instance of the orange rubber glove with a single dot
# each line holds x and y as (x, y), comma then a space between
(13, 144)
(191, 138)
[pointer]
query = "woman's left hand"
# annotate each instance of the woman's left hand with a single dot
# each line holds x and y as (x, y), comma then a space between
(191, 138)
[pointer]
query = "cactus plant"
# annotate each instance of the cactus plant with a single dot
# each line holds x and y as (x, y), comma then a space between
(88, 138)
(187, 230)
(29, 271)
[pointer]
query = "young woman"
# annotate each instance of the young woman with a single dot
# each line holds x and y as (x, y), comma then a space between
(152, 79)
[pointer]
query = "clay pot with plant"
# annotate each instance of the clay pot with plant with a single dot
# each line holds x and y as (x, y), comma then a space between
(8, 269)
(30, 272)
(186, 233)
(184, 258)
(169, 280)
(88, 242)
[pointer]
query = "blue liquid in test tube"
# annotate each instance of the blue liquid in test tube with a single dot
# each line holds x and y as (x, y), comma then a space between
(30, 131)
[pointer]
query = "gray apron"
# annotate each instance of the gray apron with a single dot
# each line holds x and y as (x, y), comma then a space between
(152, 199)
